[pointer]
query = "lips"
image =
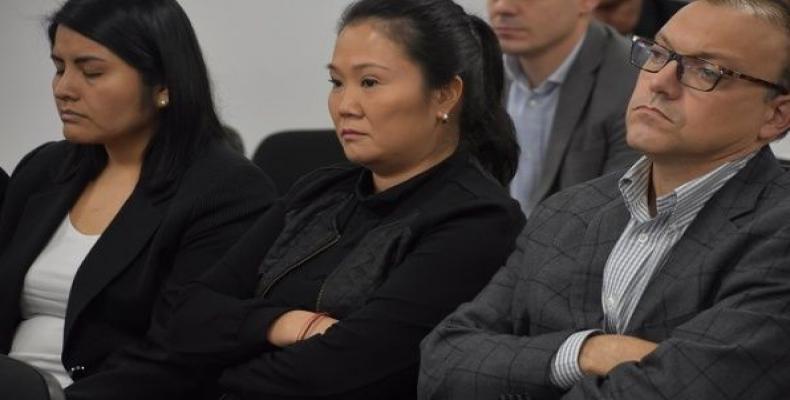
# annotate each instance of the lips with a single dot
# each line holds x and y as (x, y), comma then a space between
(350, 132)
(70, 115)
(507, 30)
(652, 110)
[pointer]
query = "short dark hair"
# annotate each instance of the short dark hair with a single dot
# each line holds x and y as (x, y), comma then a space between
(156, 38)
(445, 42)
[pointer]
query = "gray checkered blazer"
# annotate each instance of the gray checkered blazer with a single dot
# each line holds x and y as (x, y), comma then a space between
(719, 307)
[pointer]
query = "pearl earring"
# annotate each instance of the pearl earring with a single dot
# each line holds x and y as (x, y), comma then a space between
(445, 118)
(163, 102)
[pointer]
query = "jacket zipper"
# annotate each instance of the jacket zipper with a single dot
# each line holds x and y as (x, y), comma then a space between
(297, 264)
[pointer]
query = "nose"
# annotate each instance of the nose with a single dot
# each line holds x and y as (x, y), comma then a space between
(666, 81)
(64, 86)
(347, 102)
(499, 8)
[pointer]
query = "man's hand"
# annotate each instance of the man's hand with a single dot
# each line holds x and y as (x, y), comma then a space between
(601, 353)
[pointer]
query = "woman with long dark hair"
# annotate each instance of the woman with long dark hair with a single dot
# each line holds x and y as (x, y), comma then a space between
(99, 231)
(367, 258)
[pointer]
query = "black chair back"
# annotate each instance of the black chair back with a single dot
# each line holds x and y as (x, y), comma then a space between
(286, 156)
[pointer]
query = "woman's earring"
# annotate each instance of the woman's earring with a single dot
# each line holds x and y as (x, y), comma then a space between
(163, 102)
(444, 118)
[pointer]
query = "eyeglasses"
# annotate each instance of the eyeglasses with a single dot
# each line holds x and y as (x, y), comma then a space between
(692, 72)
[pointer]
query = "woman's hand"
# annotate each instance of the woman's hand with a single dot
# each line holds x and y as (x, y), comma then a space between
(297, 325)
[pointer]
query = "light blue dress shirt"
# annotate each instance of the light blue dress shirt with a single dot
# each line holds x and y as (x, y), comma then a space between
(532, 111)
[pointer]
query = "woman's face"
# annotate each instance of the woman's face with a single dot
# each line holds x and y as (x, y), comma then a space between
(383, 114)
(100, 98)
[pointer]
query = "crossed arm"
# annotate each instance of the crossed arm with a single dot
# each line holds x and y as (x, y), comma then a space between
(732, 343)
(366, 354)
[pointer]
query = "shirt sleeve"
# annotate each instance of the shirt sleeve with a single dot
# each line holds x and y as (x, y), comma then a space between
(565, 370)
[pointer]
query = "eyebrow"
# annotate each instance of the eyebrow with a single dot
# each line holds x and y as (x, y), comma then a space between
(79, 60)
(718, 57)
(360, 66)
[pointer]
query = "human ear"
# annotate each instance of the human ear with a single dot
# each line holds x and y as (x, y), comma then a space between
(777, 118)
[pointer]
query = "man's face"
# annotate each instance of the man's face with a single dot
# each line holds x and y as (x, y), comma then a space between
(530, 27)
(669, 121)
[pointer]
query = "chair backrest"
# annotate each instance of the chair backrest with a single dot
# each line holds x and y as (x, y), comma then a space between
(286, 156)
(22, 381)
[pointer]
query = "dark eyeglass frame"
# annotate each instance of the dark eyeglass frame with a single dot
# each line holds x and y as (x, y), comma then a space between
(637, 41)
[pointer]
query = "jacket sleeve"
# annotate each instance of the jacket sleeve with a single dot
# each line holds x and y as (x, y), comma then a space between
(218, 217)
(373, 351)
(476, 354)
(16, 190)
(218, 321)
(737, 348)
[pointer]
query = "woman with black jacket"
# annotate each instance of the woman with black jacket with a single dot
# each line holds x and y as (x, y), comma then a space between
(367, 258)
(99, 232)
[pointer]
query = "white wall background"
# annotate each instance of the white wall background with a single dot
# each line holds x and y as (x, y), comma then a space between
(267, 60)
(266, 57)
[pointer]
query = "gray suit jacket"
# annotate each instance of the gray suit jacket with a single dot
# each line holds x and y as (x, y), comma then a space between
(719, 307)
(588, 132)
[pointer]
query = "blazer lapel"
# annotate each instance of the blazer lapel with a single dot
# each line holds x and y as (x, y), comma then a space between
(44, 212)
(685, 265)
(41, 215)
(128, 234)
(601, 236)
(574, 96)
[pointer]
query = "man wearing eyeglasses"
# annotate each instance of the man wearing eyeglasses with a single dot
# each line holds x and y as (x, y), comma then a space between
(672, 280)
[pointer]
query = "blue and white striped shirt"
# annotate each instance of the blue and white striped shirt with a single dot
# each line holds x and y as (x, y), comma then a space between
(640, 251)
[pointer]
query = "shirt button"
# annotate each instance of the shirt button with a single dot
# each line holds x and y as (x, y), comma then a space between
(532, 103)
(610, 301)
(642, 237)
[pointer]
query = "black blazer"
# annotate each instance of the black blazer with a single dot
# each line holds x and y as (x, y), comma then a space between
(3, 183)
(441, 236)
(154, 244)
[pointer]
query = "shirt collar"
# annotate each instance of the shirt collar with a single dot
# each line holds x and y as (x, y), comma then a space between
(514, 72)
(683, 203)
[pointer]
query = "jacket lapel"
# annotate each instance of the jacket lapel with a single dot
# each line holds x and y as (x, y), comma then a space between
(685, 265)
(130, 231)
(601, 236)
(574, 96)
(41, 216)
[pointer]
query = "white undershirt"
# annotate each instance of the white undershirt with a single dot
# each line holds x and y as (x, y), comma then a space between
(45, 294)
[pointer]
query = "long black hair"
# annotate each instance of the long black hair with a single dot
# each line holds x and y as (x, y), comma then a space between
(156, 38)
(445, 41)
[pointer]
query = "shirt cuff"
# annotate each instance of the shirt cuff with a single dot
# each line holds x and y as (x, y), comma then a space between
(565, 370)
